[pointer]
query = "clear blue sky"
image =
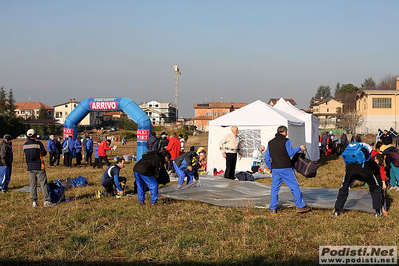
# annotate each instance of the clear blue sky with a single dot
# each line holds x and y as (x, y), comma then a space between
(238, 50)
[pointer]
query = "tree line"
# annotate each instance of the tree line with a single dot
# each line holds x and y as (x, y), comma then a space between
(9, 122)
(347, 117)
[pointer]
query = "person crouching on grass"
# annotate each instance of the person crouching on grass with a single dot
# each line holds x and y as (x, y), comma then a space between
(187, 164)
(150, 170)
(111, 178)
(369, 173)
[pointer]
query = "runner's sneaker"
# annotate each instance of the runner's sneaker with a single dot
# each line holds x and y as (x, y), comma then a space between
(378, 213)
(49, 204)
(304, 209)
(98, 194)
(337, 212)
(34, 204)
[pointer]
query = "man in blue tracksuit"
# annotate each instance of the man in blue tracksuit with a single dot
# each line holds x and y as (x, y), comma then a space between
(187, 164)
(89, 150)
(277, 158)
(51, 150)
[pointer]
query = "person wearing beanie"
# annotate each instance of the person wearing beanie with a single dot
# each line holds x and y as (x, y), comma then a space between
(34, 152)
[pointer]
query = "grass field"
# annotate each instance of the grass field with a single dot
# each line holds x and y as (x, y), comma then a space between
(112, 231)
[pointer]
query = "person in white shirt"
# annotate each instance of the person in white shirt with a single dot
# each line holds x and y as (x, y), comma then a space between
(230, 147)
(257, 157)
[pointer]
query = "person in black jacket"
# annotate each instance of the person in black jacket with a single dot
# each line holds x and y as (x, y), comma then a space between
(386, 138)
(58, 150)
(34, 152)
(5, 162)
(277, 158)
(356, 138)
(150, 171)
(344, 141)
(369, 173)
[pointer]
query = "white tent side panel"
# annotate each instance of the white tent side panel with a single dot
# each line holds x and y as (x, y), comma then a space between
(296, 134)
(314, 143)
(311, 127)
(216, 133)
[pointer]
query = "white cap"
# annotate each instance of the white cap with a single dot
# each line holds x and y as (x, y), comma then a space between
(31, 132)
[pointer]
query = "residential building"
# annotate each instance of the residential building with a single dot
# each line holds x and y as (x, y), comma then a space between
(159, 113)
(61, 112)
(31, 110)
(327, 111)
(207, 111)
(273, 101)
(378, 108)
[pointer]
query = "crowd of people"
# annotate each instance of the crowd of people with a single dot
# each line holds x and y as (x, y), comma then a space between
(166, 155)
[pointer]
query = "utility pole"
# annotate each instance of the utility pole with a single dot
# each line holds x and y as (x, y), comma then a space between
(177, 74)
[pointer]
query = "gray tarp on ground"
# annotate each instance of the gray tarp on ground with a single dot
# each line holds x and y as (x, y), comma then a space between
(232, 193)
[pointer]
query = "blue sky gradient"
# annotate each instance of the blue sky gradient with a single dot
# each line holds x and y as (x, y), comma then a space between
(230, 50)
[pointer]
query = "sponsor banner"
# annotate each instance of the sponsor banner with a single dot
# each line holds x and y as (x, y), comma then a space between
(346, 255)
(68, 132)
(111, 105)
(143, 134)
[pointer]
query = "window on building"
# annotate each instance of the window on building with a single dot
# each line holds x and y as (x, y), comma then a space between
(150, 105)
(22, 112)
(382, 102)
(216, 114)
(328, 110)
(316, 110)
(156, 105)
(66, 106)
(66, 113)
(364, 104)
(150, 113)
(250, 140)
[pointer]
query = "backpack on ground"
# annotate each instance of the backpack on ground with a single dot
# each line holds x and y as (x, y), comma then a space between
(56, 191)
(68, 183)
(356, 153)
(80, 181)
(244, 176)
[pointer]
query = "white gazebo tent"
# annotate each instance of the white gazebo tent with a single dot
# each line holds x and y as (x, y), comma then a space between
(257, 124)
(311, 127)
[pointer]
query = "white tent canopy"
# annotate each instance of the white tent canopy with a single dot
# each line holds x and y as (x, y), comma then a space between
(257, 124)
(311, 126)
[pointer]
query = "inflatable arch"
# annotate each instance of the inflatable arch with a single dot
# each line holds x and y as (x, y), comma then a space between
(111, 104)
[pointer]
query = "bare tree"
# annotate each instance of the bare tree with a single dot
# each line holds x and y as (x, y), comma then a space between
(351, 120)
(387, 83)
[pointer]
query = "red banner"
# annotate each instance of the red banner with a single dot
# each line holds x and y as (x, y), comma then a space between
(103, 105)
(143, 134)
(68, 132)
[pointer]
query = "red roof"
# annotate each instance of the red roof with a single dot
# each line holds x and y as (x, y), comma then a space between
(32, 105)
(275, 100)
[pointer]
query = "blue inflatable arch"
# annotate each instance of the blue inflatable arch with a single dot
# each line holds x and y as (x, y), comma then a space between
(111, 104)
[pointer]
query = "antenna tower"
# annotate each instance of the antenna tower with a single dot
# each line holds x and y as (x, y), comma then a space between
(177, 74)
